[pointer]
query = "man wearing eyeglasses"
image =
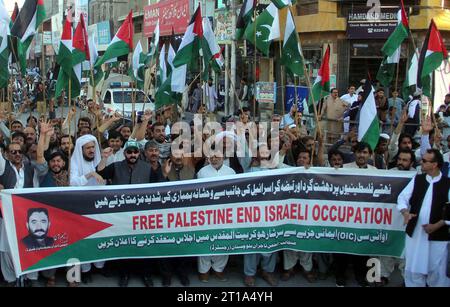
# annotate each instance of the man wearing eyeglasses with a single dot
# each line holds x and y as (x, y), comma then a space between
(14, 174)
(425, 209)
(132, 170)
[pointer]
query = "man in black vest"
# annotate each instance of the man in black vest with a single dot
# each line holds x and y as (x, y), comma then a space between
(424, 206)
(14, 174)
(132, 170)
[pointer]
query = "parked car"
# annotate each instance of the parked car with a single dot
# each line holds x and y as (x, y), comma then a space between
(119, 98)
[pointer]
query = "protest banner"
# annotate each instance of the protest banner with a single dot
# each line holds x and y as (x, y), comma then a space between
(315, 210)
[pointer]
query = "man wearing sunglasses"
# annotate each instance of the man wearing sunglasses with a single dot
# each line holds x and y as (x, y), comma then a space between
(14, 174)
(426, 213)
(132, 170)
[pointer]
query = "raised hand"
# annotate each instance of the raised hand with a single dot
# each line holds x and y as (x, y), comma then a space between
(107, 152)
(167, 167)
(147, 115)
(427, 126)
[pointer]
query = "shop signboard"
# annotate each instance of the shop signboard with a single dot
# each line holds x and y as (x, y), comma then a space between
(365, 23)
(172, 14)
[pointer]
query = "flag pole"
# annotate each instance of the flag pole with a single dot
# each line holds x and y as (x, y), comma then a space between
(70, 122)
(133, 102)
(9, 97)
(396, 76)
(42, 71)
(233, 86)
(123, 97)
(94, 98)
(308, 82)
(282, 81)
(254, 60)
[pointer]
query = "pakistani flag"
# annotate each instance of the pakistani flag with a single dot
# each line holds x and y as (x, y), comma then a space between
(122, 43)
(431, 57)
(387, 68)
(292, 57)
(245, 17)
(69, 69)
(321, 85)
(154, 45)
(162, 74)
(138, 65)
(400, 33)
(280, 4)
(170, 58)
(369, 125)
(4, 53)
(267, 29)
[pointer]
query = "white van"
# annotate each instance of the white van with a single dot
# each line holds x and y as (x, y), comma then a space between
(118, 98)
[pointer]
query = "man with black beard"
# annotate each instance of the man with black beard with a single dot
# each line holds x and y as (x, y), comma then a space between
(38, 223)
(405, 162)
(55, 171)
(132, 170)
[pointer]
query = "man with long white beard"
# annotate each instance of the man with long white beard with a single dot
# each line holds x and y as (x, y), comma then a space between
(85, 159)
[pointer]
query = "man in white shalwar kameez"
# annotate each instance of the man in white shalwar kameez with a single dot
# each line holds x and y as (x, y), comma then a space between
(423, 206)
(83, 162)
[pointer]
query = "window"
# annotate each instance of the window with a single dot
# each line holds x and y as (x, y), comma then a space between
(137, 27)
(107, 99)
(307, 7)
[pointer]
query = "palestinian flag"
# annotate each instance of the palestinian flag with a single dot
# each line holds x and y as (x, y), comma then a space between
(122, 43)
(400, 33)
(280, 4)
(267, 29)
(4, 54)
(18, 49)
(64, 57)
(172, 89)
(69, 70)
(218, 61)
(80, 51)
(189, 49)
(431, 57)
(321, 85)
(369, 125)
(210, 48)
(29, 19)
(292, 57)
(245, 17)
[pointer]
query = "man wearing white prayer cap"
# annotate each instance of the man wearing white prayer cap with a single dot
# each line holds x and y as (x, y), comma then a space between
(85, 159)
(83, 162)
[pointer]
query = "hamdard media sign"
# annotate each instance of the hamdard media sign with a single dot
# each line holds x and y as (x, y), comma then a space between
(367, 23)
